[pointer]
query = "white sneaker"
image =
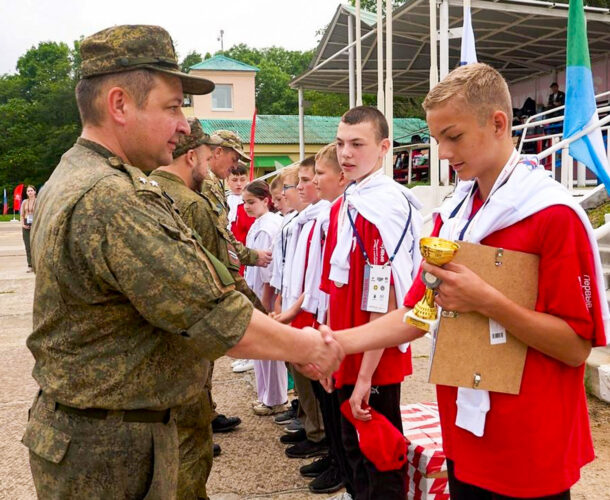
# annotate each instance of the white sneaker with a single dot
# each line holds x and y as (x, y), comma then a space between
(247, 364)
(237, 362)
(343, 496)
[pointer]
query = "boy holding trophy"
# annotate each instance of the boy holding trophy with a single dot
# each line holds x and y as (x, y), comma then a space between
(530, 445)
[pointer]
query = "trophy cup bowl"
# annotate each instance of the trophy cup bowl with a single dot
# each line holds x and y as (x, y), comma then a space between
(437, 251)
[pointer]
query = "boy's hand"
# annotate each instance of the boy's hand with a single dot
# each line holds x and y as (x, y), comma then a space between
(461, 290)
(325, 356)
(328, 383)
(359, 400)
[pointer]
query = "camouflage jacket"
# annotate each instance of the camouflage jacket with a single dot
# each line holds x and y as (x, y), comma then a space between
(212, 191)
(198, 214)
(126, 303)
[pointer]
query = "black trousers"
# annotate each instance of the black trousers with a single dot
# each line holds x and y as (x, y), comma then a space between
(368, 482)
(464, 491)
(26, 241)
(331, 415)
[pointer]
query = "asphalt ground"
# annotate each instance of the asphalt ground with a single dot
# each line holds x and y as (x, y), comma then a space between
(252, 463)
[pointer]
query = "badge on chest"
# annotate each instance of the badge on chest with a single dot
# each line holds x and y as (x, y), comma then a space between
(376, 288)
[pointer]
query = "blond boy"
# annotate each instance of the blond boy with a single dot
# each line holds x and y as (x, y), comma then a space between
(531, 445)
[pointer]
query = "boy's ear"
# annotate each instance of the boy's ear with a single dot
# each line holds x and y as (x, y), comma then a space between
(500, 123)
(385, 146)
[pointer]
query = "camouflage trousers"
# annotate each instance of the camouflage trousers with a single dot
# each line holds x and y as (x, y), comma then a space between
(75, 457)
(196, 447)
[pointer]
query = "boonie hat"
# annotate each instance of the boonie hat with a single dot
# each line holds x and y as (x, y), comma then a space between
(380, 442)
(233, 141)
(129, 47)
(196, 138)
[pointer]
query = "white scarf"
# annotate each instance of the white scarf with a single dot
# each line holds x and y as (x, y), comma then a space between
(316, 301)
(279, 247)
(514, 197)
(233, 201)
(268, 224)
(385, 204)
(297, 250)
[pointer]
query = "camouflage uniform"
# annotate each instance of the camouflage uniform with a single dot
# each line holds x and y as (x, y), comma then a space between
(196, 441)
(127, 306)
(214, 193)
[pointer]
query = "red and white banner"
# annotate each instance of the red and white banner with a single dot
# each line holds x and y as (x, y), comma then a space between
(252, 139)
(17, 197)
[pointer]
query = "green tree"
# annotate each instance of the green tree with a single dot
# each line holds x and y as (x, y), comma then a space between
(191, 59)
(38, 114)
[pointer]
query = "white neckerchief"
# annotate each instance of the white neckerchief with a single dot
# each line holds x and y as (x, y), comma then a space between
(386, 204)
(316, 301)
(525, 190)
(233, 201)
(264, 230)
(279, 248)
(297, 249)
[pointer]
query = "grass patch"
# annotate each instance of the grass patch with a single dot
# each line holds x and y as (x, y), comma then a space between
(8, 217)
(596, 215)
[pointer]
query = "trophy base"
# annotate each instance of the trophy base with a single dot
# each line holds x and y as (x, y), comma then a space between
(427, 325)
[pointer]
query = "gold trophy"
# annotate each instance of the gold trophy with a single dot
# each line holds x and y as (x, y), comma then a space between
(437, 251)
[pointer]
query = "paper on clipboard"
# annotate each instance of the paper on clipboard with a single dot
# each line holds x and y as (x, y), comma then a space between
(463, 354)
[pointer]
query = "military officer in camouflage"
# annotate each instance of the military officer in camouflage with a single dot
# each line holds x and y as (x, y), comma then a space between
(182, 180)
(225, 156)
(127, 302)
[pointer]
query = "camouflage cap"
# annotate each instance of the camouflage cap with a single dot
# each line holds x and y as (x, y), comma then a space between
(196, 138)
(231, 140)
(129, 47)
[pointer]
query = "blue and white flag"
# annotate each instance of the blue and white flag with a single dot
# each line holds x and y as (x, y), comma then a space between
(581, 108)
(468, 52)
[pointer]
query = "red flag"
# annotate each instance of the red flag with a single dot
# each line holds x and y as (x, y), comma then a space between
(252, 134)
(17, 197)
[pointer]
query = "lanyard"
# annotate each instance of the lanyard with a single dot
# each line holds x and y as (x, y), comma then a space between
(359, 239)
(460, 209)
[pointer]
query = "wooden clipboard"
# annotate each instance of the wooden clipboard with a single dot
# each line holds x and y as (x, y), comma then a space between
(462, 351)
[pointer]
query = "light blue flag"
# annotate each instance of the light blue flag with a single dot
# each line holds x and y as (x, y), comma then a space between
(468, 51)
(581, 109)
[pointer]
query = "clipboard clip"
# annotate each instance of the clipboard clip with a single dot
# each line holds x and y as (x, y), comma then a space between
(476, 380)
(499, 255)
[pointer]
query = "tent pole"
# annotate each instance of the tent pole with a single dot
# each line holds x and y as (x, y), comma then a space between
(433, 154)
(389, 89)
(350, 41)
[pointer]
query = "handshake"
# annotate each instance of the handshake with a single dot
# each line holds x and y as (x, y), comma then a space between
(325, 355)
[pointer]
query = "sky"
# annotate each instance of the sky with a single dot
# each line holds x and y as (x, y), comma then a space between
(193, 25)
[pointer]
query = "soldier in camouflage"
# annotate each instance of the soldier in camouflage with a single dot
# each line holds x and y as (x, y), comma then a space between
(127, 302)
(182, 180)
(225, 156)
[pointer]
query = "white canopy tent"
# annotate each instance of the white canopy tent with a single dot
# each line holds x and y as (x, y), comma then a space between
(521, 38)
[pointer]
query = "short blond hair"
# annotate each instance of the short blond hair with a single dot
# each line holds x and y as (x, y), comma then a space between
(478, 86)
(328, 154)
(290, 175)
(277, 182)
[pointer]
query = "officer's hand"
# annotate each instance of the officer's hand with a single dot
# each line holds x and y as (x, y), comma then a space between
(264, 258)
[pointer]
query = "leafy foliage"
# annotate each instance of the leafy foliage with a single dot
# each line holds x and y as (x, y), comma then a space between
(38, 114)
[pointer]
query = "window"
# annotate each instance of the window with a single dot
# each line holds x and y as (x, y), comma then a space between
(222, 98)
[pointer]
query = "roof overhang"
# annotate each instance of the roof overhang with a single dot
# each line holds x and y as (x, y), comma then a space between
(520, 38)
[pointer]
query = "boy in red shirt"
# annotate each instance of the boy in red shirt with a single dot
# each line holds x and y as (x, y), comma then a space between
(239, 220)
(372, 230)
(530, 445)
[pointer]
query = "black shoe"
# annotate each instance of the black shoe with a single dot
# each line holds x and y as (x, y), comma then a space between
(295, 437)
(295, 425)
(295, 404)
(217, 449)
(315, 468)
(286, 417)
(327, 482)
(225, 424)
(307, 449)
